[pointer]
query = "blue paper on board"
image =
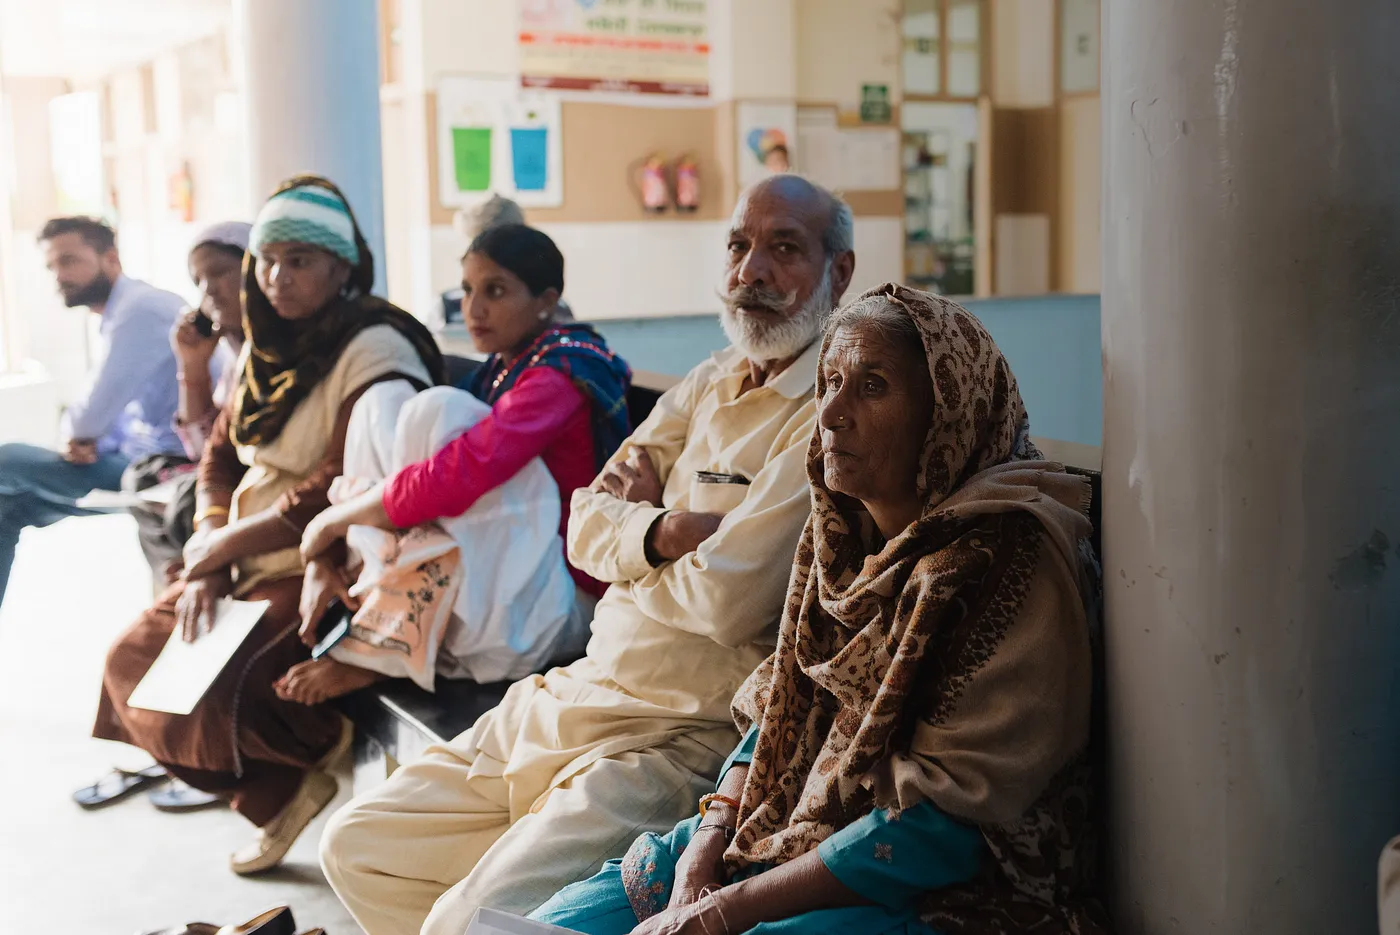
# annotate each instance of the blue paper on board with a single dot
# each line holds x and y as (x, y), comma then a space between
(529, 148)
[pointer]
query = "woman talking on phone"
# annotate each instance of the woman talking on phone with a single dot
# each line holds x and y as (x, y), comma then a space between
(207, 341)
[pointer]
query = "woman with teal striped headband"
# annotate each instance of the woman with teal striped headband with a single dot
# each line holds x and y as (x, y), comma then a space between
(316, 341)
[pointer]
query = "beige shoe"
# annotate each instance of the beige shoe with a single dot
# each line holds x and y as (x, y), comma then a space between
(273, 840)
(339, 755)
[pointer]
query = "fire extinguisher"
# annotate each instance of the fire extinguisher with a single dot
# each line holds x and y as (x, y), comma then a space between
(687, 183)
(655, 193)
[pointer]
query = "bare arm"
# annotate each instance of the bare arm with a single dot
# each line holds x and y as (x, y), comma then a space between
(678, 533)
(697, 905)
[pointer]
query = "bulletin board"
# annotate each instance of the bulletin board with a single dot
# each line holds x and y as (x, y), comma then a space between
(493, 136)
(601, 145)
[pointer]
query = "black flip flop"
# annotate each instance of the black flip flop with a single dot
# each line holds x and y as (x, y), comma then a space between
(176, 796)
(277, 921)
(118, 785)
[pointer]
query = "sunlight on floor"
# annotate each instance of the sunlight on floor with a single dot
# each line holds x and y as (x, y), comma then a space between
(129, 868)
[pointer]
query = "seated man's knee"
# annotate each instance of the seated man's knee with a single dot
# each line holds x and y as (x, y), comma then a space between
(349, 844)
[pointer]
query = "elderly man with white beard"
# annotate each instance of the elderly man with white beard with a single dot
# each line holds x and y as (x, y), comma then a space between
(693, 524)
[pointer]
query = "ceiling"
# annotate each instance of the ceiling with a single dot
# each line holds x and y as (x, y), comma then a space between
(85, 38)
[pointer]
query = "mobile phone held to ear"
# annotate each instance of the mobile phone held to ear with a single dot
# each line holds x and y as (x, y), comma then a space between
(333, 627)
(203, 324)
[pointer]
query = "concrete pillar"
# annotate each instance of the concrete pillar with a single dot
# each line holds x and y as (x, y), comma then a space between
(1251, 338)
(311, 70)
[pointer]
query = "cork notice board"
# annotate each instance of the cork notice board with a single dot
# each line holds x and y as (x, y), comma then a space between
(603, 144)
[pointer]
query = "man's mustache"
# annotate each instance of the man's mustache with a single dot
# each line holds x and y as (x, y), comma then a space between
(746, 297)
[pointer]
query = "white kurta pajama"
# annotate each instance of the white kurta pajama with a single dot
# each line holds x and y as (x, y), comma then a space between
(574, 764)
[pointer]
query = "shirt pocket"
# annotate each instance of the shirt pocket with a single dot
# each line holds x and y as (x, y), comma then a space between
(717, 493)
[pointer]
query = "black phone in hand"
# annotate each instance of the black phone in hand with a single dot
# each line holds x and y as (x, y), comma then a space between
(333, 627)
(203, 324)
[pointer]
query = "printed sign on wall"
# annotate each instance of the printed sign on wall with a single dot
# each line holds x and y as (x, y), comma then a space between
(495, 137)
(651, 46)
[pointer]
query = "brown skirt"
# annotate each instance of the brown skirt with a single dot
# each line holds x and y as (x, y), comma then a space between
(241, 740)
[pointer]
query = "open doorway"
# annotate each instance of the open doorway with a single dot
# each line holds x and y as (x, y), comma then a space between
(940, 165)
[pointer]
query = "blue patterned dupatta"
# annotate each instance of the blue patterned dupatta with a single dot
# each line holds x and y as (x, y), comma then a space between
(581, 354)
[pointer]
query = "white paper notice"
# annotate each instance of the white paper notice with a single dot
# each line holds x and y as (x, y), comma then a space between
(183, 672)
(495, 922)
(158, 495)
(850, 160)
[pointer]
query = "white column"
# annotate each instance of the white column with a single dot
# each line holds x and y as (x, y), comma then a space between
(1251, 336)
(311, 73)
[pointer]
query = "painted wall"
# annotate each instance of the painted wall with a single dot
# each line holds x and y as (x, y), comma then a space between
(1023, 59)
(1081, 173)
(842, 45)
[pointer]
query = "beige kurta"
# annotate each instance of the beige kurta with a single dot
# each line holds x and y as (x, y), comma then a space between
(280, 465)
(575, 763)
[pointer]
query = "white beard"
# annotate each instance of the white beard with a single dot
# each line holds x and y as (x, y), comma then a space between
(761, 340)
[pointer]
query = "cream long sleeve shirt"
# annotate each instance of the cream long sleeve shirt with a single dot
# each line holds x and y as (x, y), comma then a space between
(684, 635)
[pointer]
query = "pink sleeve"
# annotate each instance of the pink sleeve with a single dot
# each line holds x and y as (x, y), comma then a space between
(521, 425)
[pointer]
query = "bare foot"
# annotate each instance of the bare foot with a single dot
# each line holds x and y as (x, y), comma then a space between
(318, 680)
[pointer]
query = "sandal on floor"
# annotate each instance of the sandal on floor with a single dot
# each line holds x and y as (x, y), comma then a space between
(117, 785)
(177, 796)
(277, 921)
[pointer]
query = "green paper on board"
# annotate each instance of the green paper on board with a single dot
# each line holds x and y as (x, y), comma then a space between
(471, 158)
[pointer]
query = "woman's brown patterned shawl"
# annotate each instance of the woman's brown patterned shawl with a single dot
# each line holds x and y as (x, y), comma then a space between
(952, 665)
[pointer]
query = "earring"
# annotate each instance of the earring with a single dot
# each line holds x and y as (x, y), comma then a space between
(544, 314)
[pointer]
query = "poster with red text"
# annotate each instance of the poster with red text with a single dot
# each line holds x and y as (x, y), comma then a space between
(643, 46)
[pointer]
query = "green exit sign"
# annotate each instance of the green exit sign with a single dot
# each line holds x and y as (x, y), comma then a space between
(875, 103)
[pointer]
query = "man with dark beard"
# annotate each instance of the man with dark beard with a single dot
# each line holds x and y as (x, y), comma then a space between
(127, 410)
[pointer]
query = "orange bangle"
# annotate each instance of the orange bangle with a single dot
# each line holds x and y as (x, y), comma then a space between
(714, 797)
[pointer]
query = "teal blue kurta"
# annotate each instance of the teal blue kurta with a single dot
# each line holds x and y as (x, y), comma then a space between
(890, 859)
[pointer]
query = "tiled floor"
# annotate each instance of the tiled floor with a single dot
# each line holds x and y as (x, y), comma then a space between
(129, 868)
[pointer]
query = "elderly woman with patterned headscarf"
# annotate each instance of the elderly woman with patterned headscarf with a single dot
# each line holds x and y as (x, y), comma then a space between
(315, 341)
(913, 758)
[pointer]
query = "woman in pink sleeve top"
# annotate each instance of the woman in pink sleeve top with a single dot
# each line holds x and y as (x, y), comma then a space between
(557, 398)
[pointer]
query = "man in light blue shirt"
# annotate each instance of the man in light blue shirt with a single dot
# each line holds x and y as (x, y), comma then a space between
(127, 410)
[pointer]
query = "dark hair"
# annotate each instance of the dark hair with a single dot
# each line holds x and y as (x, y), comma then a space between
(526, 252)
(96, 234)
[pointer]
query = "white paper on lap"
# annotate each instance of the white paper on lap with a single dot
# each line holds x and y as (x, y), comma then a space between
(183, 672)
(495, 922)
(159, 495)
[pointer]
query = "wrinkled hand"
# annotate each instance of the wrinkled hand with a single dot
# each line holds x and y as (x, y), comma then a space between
(634, 480)
(192, 349)
(80, 451)
(324, 582)
(700, 868)
(697, 918)
(207, 552)
(194, 611)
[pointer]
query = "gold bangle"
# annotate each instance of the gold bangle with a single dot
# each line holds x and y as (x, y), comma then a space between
(210, 512)
(714, 798)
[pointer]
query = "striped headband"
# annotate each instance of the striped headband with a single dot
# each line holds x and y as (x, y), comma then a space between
(308, 214)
